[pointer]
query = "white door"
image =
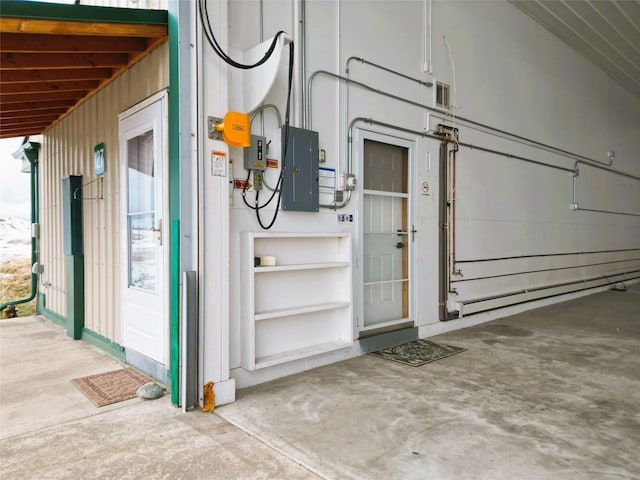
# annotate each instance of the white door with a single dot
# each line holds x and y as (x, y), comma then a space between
(144, 240)
(386, 237)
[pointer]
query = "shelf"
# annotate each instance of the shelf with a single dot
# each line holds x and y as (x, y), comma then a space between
(301, 307)
(291, 355)
(287, 312)
(301, 266)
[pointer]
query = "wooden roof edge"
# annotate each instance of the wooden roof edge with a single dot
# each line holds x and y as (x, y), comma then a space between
(82, 13)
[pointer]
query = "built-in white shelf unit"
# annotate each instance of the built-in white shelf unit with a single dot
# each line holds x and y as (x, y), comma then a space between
(302, 306)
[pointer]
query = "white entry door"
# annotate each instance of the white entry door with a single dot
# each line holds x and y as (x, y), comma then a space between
(386, 236)
(143, 155)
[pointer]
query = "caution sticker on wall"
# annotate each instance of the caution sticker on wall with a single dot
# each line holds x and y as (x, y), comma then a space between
(218, 164)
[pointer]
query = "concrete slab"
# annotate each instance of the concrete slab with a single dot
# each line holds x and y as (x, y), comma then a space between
(548, 394)
(48, 429)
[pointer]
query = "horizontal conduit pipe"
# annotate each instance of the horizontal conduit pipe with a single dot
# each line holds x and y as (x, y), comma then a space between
(515, 157)
(438, 114)
(610, 170)
(389, 70)
(547, 255)
(606, 211)
(635, 275)
(349, 163)
(524, 272)
(576, 206)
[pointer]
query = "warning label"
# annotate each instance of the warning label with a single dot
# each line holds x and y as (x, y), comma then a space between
(239, 184)
(272, 163)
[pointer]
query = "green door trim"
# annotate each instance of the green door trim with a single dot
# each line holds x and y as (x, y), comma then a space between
(174, 199)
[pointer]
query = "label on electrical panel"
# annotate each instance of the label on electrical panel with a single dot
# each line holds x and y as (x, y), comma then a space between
(272, 163)
(218, 164)
(239, 184)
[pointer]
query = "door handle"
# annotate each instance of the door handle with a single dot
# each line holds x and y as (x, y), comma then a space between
(158, 230)
(412, 231)
(399, 245)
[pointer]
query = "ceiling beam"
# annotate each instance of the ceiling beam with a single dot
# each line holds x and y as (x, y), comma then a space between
(53, 105)
(18, 42)
(19, 132)
(39, 122)
(7, 98)
(27, 61)
(61, 74)
(32, 112)
(37, 87)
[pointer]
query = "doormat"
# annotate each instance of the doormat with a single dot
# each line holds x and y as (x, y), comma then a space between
(111, 387)
(418, 352)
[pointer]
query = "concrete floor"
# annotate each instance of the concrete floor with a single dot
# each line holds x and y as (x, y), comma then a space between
(48, 429)
(548, 394)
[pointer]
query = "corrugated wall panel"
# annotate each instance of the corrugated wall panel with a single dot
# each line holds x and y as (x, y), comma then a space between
(68, 149)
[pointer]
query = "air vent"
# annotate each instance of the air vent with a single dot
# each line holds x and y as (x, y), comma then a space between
(442, 95)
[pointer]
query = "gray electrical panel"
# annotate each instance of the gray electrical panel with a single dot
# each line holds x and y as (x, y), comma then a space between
(300, 190)
(255, 155)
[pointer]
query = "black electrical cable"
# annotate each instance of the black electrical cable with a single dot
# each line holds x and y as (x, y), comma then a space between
(286, 145)
(211, 38)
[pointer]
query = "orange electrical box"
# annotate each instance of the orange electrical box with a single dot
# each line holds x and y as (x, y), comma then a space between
(235, 129)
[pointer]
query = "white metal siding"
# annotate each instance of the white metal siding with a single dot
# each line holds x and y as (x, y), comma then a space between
(67, 149)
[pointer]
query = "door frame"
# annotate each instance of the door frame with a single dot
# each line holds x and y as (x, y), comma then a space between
(164, 293)
(362, 134)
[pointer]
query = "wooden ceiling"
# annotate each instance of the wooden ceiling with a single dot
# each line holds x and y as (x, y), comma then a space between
(52, 57)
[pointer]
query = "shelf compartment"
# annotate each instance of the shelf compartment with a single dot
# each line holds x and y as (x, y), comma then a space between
(301, 266)
(287, 312)
(300, 353)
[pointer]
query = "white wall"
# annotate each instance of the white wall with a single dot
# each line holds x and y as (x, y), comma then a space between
(511, 74)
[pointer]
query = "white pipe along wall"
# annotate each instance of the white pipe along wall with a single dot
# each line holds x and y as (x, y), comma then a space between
(535, 121)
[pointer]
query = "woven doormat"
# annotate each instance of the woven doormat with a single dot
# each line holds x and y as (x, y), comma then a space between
(111, 387)
(417, 352)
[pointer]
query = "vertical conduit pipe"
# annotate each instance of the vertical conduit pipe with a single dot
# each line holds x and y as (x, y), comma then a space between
(443, 236)
(303, 63)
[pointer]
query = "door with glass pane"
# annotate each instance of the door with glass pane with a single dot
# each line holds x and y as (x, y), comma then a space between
(386, 237)
(144, 251)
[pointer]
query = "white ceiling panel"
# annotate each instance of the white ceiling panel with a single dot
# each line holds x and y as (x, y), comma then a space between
(607, 32)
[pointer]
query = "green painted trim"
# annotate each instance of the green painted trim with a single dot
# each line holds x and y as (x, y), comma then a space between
(174, 198)
(103, 343)
(82, 13)
(41, 309)
(75, 295)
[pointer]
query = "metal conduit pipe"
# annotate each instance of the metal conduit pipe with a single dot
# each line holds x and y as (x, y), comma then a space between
(516, 257)
(575, 204)
(262, 108)
(524, 272)
(515, 157)
(575, 286)
(349, 153)
(438, 114)
(388, 70)
(444, 276)
(303, 61)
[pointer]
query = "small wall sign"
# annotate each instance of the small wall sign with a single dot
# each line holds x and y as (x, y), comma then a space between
(98, 158)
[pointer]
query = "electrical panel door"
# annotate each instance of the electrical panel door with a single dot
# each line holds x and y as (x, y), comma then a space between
(300, 190)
